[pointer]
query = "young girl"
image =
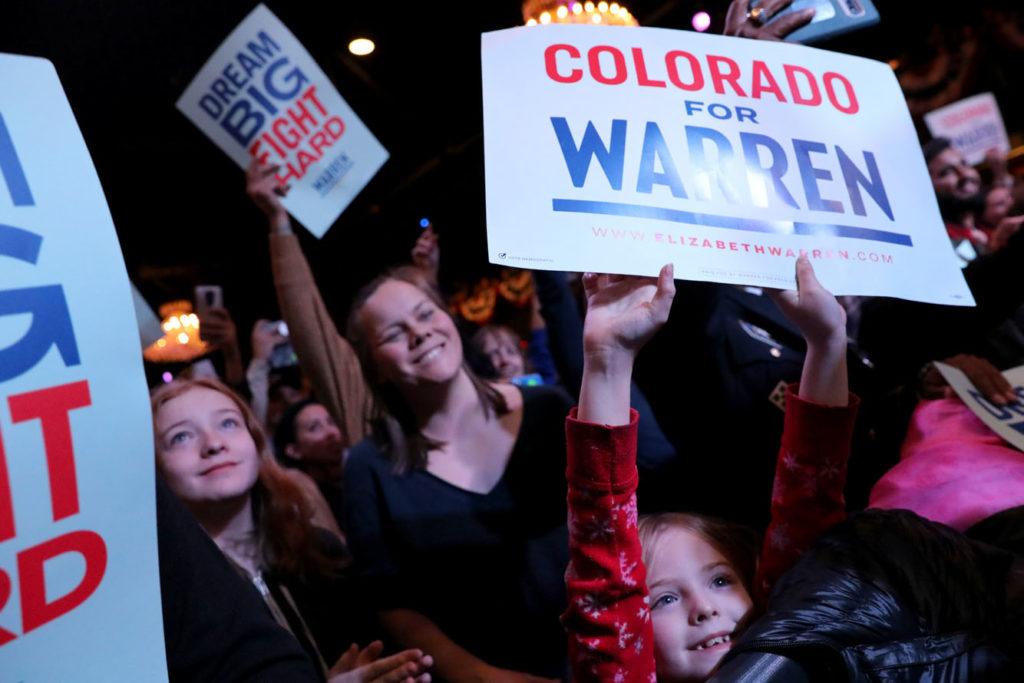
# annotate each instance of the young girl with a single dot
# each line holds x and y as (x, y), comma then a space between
(215, 458)
(700, 573)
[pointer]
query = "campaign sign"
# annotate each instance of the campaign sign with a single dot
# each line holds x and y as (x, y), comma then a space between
(974, 126)
(79, 580)
(261, 95)
(621, 149)
(1006, 421)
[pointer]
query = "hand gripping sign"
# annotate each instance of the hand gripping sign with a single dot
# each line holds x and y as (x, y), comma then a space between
(261, 95)
(79, 584)
(620, 149)
(1006, 421)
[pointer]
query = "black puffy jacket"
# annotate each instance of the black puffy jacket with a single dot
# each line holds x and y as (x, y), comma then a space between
(885, 596)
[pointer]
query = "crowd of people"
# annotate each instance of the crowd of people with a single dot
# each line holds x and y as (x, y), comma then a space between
(408, 498)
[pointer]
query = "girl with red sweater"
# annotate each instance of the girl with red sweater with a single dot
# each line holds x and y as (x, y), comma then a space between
(661, 598)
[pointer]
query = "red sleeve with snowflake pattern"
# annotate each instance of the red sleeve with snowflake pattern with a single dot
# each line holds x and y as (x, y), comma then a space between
(807, 497)
(608, 617)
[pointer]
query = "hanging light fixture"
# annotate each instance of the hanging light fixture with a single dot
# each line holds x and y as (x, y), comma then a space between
(181, 342)
(571, 12)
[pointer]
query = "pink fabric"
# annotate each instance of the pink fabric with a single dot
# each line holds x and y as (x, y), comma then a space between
(953, 469)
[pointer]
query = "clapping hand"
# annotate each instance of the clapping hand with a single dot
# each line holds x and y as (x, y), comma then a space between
(365, 666)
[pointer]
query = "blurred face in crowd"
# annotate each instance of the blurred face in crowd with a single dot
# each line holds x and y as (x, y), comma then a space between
(998, 203)
(317, 437)
(204, 449)
(502, 348)
(412, 341)
(697, 600)
(952, 176)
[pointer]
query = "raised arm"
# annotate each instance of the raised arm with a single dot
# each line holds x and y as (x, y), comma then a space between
(810, 472)
(326, 358)
(608, 619)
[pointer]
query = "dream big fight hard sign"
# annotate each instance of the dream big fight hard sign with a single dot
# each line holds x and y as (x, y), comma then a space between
(621, 149)
(261, 95)
(79, 584)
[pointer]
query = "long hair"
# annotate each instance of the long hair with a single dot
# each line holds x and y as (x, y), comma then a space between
(285, 536)
(736, 543)
(394, 424)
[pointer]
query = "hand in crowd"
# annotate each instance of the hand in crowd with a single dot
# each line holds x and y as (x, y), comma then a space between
(218, 329)
(426, 254)
(265, 191)
(265, 336)
(822, 322)
(983, 375)
(746, 22)
(364, 666)
(1007, 228)
(623, 312)
(812, 308)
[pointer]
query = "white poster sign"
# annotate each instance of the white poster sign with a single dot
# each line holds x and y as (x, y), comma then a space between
(1006, 421)
(262, 95)
(79, 583)
(621, 149)
(974, 126)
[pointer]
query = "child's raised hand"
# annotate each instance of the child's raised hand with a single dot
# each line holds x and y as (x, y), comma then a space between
(623, 312)
(812, 308)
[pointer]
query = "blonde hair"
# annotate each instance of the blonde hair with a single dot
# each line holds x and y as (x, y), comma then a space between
(737, 544)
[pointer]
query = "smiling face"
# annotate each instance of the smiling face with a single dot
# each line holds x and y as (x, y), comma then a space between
(697, 600)
(204, 449)
(412, 342)
(952, 176)
(501, 347)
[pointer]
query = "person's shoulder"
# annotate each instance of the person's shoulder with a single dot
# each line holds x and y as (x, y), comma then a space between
(547, 398)
(366, 455)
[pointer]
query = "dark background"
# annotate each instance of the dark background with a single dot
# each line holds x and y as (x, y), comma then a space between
(178, 202)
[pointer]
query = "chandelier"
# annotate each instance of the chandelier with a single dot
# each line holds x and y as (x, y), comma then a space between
(570, 12)
(181, 342)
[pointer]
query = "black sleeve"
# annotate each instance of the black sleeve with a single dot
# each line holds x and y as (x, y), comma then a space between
(901, 336)
(215, 625)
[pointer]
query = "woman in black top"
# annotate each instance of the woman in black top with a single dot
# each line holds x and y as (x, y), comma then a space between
(455, 509)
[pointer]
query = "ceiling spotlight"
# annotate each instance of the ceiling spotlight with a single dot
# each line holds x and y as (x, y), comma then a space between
(361, 47)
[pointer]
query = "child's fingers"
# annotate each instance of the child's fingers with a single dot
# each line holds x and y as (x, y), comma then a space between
(661, 304)
(805, 277)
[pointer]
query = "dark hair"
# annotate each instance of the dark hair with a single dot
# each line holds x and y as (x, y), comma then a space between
(286, 538)
(737, 543)
(393, 423)
(935, 147)
(285, 433)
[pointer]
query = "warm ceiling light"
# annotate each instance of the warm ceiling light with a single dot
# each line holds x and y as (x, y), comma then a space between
(576, 12)
(181, 342)
(361, 47)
